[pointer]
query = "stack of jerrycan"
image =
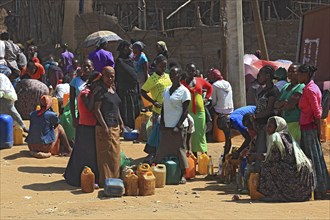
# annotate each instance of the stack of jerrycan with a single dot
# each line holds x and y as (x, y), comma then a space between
(147, 181)
(159, 172)
(173, 170)
(191, 170)
(142, 120)
(203, 161)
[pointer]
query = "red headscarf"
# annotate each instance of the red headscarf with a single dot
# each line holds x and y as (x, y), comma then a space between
(46, 102)
(215, 74)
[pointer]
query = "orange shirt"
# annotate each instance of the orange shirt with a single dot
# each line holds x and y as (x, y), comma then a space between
(38, 74)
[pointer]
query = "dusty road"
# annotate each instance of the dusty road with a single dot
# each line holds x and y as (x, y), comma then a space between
(35, 189)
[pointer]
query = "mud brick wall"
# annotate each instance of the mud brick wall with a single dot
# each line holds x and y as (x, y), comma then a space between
(199, 45)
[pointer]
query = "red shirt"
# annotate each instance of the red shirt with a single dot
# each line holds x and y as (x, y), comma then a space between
(38, 74)
(200, 85)
(85, 117)
(310, 105)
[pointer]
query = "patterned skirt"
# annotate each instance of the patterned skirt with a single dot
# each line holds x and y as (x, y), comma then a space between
(311, 146)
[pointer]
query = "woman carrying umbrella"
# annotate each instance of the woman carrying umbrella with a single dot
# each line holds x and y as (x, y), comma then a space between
(101, 57)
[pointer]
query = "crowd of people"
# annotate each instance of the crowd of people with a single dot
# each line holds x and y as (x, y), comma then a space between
(281, 127)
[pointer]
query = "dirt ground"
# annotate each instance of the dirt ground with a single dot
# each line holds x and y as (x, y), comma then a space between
(35, 189)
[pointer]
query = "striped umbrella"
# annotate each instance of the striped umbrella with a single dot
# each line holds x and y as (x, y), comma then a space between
(94, 38)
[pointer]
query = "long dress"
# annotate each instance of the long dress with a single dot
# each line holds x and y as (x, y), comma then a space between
(128, 90)
(286, 174)
(197, 112)
(84, 151)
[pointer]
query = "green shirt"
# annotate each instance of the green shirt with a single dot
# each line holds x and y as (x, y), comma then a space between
(294, 114)
(156, 85)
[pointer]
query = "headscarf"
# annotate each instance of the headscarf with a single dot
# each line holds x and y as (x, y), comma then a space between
(162, 44)
(122, 45)
(46, 102)
(215, 73)
(282, 139)
(280, 74)
(139, 44)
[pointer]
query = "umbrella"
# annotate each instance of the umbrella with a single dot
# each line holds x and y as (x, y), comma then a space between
(92, 39)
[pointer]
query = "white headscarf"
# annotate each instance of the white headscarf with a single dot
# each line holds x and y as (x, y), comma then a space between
(275, 140)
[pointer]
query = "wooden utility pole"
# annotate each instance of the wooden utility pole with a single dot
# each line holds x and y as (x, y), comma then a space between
(235, 51)
(260, 30)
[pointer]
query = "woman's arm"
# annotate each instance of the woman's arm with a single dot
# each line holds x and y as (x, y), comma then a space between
(145, 69)
(73, 107)
(148, 98)
(121, 122)
(162, 122)
(292, 102)
(209, 89)
(184, 113)
(99, 116)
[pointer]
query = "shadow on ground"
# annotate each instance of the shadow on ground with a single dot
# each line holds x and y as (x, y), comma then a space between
(59, 185)
(22, 153)
(43, 170)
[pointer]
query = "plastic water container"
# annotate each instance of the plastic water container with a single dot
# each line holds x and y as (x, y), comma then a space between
(145, 102)
(18, 135)
(159, 172)
(147, 184)
(142, 168)
(191, 170)
(55, 106)
(220, 165)
(323, 126)
(253, 185)
(142, 119)
(87, 180)
(6, 131)
(328, 132)
(126, 171)
(131, 183)
(203, 161)
(173, 171)
(218, 134)
(66, 97)
(114, 187)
